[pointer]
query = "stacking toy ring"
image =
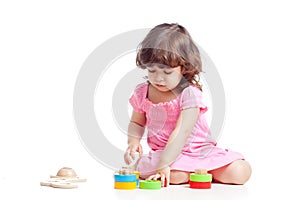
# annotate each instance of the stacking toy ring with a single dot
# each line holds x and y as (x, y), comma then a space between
(150, 184)
(125, 185)
(200, 185)
(125, 178)
(200, 177)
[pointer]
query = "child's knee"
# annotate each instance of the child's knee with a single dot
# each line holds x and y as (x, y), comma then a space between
(241, 171)
(179, 177)
(238, 172)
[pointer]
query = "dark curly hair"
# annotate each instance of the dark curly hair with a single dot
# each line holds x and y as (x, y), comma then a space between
(171, 45)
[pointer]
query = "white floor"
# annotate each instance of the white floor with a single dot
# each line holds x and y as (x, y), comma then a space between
(99, 185)
(97, 190)
(94, 189)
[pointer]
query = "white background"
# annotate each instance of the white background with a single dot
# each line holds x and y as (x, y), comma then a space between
(254, 45)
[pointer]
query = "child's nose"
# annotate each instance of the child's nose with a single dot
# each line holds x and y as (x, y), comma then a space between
(159, 77)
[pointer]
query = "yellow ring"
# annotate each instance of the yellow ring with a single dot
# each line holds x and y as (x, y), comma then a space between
(125, 185)
(137, 174)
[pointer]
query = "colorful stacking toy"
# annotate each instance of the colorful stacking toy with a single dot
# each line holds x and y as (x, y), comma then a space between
(150, 184)
(126, 179)
(200, 179)
(137, 175)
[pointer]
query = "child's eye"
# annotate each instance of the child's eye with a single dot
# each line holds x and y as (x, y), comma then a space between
(151, 71)
(168, 72)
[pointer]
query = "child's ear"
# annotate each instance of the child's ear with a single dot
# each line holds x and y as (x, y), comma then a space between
(182, 70)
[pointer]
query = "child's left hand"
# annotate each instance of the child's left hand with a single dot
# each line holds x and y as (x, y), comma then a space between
(162, 174)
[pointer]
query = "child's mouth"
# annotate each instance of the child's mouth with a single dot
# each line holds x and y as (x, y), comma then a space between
(158, 85)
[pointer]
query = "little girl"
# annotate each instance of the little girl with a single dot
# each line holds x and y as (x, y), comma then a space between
(170, 105)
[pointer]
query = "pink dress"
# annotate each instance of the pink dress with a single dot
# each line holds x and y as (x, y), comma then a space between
(199, 151)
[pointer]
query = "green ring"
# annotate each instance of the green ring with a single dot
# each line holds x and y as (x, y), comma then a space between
(150, 184)
(200, 177)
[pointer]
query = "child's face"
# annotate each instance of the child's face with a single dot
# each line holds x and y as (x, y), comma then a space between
(164, 78)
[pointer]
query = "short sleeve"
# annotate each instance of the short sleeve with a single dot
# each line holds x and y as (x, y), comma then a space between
(191, 97)
(138, 97)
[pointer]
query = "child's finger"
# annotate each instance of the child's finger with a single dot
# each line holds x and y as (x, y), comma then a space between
(167, 181)
(128, 158)
(140, 150)
(150, 177)
(163, 180)
(135, 159)
(132, 152)
(153, 177)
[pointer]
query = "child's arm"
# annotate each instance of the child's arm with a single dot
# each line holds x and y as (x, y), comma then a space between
(176, 141)
(136, 129)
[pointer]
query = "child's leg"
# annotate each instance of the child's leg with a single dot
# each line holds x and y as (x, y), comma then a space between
(237, 172)
(179, 177)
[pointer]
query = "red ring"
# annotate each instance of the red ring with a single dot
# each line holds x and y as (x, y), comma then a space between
(200, 185)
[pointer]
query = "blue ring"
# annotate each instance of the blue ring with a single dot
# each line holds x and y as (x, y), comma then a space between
(125, 178)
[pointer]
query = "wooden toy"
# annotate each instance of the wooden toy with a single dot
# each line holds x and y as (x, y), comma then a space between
(200, 179)
(68, 173)
(200, 171)
(58, 183)
(126, 170)
(150, 184)
(65, 178)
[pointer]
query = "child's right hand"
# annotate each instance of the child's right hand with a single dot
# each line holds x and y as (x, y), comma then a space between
(131, 149)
